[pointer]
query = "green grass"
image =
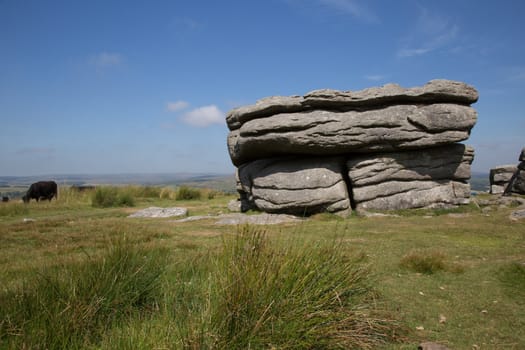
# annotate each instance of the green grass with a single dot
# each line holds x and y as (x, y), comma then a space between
(73, 304)
(105, 197)
(428, 262)
(210, 273)
(187, 193)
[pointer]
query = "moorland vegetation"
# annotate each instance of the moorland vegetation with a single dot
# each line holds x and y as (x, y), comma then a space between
(75, 274)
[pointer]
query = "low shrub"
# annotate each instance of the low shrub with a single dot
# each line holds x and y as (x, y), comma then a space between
(187, 193)
(105, 197)
(167, 193)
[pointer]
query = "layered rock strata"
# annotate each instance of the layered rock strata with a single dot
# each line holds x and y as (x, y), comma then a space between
(424, 178)
(299, 186)
(381, 148)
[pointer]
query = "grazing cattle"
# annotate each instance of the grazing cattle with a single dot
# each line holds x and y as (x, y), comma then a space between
(41, 190)
(5, 199)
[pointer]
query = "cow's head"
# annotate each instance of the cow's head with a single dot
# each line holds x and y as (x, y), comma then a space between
(25, 198)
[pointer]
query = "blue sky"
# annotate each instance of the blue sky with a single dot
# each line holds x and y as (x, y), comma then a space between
(143, 86)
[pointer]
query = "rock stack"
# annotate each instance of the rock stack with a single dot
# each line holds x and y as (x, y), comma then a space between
(379, 148)
(509, 178)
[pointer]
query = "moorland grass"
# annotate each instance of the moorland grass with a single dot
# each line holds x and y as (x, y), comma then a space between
(251, 293)
(483, 305)
(295, 296)
(72, 305)
(188, 193)
(429, 262)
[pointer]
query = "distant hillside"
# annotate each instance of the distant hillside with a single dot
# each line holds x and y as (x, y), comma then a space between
(480, 181)
(14, 186)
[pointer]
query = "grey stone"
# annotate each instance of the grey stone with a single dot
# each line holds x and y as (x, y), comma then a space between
(413, 179)
(435, 91)
(156, 212)
(496, 189)
(259, 219)
(432, 346)
(234, 206)
(518, 214)
(295, 185)
(241, 219)
(448, 162)
(501, 174)
(321, 132)
(500, 177)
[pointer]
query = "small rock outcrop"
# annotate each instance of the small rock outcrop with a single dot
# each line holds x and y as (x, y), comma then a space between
(379, 148)
(509, 178)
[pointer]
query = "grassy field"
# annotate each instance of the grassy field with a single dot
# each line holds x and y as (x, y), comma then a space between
(77, 276)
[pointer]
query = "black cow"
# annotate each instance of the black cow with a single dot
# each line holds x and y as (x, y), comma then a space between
(5, 199)
(41, 190)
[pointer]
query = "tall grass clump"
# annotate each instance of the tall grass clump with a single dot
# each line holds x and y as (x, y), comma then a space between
(73, 306)
(13, 209)
(105, 197)
(428, 262)
(265, 294)
(142, 191)
(187, 193)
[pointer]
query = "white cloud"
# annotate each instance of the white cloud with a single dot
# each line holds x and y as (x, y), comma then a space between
(375, 77)
(431, 32)
(352, 7)
(204, 116)
(106, 59)
(176, 106)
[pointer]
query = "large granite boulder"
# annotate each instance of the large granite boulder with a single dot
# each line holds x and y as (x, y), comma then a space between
(379, 148)
(294, 185)
(423, 178)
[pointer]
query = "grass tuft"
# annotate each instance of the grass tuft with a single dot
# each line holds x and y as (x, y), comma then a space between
(188, 193)
(285, 296)
(512, 277)
(13, 209)
(428, 262)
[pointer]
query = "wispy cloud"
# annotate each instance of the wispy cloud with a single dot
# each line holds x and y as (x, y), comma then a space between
(354, 8)
(204, 116)
(176, 106)
(106, 59)
(431, 32)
